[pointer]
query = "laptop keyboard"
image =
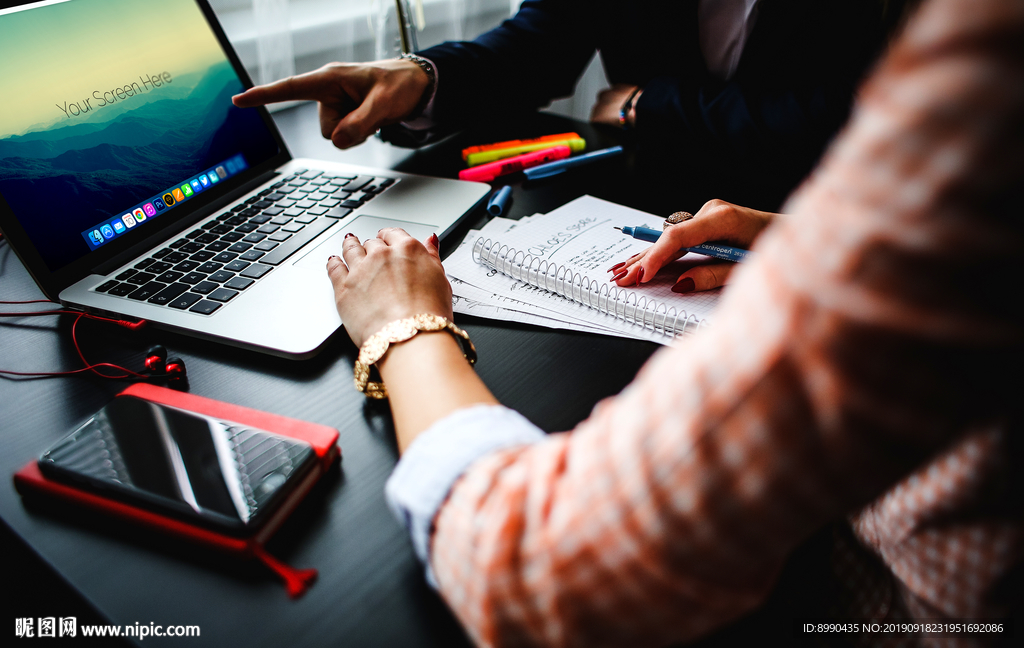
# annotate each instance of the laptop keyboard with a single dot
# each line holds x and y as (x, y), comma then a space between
(212, 264)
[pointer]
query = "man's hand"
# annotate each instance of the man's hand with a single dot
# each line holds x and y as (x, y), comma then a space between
(355, 99)
(609, 103)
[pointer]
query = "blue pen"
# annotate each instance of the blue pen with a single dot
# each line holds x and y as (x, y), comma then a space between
(499, 201)
(717, 250)
(559, 166)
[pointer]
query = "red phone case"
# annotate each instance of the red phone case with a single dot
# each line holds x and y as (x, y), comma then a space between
(322, 438)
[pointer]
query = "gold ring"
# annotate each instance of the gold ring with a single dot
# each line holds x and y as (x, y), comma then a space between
(678, 217)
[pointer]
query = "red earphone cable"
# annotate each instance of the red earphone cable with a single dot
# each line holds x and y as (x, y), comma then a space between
(90, 367)
(94, 367)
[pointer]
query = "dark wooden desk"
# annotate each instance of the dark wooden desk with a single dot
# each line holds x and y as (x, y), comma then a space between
(371, 590)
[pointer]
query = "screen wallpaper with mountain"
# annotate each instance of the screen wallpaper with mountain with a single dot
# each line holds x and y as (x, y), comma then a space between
(106, 103)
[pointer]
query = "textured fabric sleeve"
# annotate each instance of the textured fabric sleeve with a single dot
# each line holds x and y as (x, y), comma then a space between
(439, 456)
(870, 332)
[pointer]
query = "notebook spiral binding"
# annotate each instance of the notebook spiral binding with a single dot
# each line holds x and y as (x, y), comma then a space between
(617, 302)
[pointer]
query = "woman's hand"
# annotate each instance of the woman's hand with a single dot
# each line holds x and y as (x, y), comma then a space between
(392, 277)
(717, 220)
(388, 278)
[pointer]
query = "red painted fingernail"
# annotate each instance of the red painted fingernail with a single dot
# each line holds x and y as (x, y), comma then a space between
(434, 240)
(619, 275)
(684, 285)
(616, 266)
(640, 276)
(349, 234)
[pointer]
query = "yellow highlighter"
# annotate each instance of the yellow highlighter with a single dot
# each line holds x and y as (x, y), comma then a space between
(575, 144)
(517, 142)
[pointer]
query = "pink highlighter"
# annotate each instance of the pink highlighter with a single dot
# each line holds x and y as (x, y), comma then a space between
(490, 171)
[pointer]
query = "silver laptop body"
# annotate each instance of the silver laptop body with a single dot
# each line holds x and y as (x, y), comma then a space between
(241, 259)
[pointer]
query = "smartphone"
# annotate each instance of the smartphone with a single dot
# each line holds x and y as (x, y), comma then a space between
(215, 473)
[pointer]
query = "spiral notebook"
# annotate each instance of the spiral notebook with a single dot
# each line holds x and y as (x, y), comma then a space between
(551, 268)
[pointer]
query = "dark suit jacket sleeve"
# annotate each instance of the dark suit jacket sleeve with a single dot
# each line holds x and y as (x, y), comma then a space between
(519, 66)
(736, 118)
(770, 122)
(522, 64)
(797, 89)
(712, 133)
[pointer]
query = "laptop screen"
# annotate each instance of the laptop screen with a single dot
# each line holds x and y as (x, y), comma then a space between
(116, 113)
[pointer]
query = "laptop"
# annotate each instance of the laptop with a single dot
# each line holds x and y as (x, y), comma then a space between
(130, 186)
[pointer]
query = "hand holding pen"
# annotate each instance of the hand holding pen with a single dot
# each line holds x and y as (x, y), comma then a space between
(717, 221)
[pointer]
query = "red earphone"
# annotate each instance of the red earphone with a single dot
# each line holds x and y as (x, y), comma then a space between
(172, 369)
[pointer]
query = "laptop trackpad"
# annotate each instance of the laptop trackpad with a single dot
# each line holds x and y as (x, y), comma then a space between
(365, 227)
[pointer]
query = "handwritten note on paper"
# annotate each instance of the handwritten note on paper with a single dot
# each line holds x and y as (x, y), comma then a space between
(579, 240)
(468, 306)
(509, 307)
(468, 299)
(585, 236)
(485, 286)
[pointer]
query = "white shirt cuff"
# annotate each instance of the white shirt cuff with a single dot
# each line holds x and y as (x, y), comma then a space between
(439, 456)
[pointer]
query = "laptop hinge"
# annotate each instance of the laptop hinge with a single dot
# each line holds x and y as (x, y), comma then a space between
(164, 235)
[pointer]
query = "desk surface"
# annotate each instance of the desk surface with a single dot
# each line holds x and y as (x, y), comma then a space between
(371, 590)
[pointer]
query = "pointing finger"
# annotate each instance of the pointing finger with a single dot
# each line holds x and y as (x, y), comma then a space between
(309, 86)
